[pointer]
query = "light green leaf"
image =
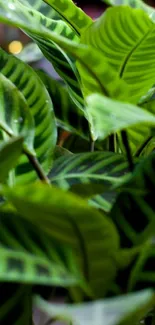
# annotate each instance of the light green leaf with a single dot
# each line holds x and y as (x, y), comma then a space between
(10, 152)
(69, 116)
(88, 232)
(107, 116)
(42, 7)
(135, 4)
(73, 15)
(126, 45)
(38, 104)
(125, 310)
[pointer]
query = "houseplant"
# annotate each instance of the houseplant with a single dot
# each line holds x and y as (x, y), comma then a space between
(79, 216)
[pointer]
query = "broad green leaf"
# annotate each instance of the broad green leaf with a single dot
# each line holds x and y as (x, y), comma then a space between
(73, 15)
(135, 4)
(10, 152)
(126, 45)
(69, 116)
(104, 168)
(30, 53)
(39, 28)
(107, 116)
(60, 151)
(35, 96)
(123, 310)
(88, 232)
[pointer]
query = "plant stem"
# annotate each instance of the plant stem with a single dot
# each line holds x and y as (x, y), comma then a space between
(37, 167)
(92, 146)
(127, 148)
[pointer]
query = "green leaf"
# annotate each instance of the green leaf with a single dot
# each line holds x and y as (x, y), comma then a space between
(104, 168)
(136, 195)
(73, 15)
(27, 85)
(40, 28)
(135, 4)
(123, 310)
(126, 45)
(142, 274)
(42, 7)
(69, 116)
(90, 234)
(107, 116)
(10, 152)
(99, 77)
(60, 151)
(15, 116)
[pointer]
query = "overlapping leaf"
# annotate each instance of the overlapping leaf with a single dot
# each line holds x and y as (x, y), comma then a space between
(73, 15)
(72, 222)
(69, 116)
(126, 45)
(107, 116)
(42, 7)
(39, 27)
(27, 85)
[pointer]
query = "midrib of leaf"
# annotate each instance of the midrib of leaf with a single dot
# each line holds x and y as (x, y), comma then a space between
(127, 59)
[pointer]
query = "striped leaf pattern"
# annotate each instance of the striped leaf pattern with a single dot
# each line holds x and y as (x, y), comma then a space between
(28, 258)
(73, 15)
(67, 113)
(93, 64)
(99, 167)
(42, 7)
(34, 24)
(126, 45)
(90, 234)
(35, 96)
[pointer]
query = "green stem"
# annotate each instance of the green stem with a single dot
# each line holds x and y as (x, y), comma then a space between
(127, 148)
(92, 146)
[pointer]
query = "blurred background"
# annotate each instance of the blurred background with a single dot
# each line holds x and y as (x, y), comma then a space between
(13, 40)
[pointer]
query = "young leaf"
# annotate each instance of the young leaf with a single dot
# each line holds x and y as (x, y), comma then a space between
(73, 15)
(35, 97)
(30, 53)
(107, 116)
(123, 310)
(10, 152)
(90, 234)
(126, 45)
